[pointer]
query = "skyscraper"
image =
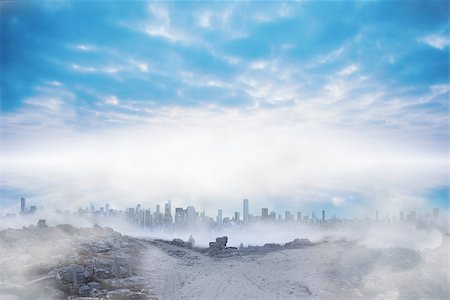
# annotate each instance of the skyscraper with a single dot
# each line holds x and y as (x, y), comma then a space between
(23, 204)
(219, 217)
(191, 215)
(436, 213)
(323, 215)
(264, 213)
(180, 215)
(168, 213)
(246, 215)
(237, 217)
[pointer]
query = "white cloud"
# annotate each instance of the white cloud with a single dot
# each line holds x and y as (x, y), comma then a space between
(211, 157)
(436, 41)
(84, 47)
(347, 71)
(204, 19)
(112, 100)
(160, 25)
(337, 201)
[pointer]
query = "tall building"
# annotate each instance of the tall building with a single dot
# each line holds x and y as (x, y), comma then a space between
(107, 208)
(273, 215)
(131, 214)
(191, 215)
(436, 213)
(237, 217)
(180, 215)
(323, 215)
(23, 205)
(264, 213)
(168, 213)
(288, 216)
(148, 218)
(246, 215)
(299, 216)
(219, 217)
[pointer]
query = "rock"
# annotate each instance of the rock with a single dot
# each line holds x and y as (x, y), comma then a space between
(84, 290)
(42, 223)
(102, 268)
(73, 274)
(67, 228)
(181, 243)
(219, 247)
(94, 285)
(298, 243)
(96, 293)
(191, 240)
(222, 241)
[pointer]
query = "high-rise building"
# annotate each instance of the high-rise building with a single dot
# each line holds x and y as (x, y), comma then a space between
(191, 215)
(167, 213)
(219, 217)
(32, 209)
(273, 215)
(107, 208)
(264, 213)
(436, 213)
(323, 215)
(412, 216)
(148, 218)
(131, 214)
(237, 217)
(246, 214)
(23, 205)
(299, 216)
(180, 215)
(288, 216)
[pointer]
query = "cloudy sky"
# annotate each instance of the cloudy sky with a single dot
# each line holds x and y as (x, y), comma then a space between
(299, 106)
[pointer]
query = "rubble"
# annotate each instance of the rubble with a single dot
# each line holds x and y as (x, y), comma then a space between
(85, 262)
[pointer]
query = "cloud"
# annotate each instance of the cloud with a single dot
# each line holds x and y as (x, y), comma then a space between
(215, 157)
(436, 41)
(112, 100)
(348, 70)
(161, 25)
(84, 47)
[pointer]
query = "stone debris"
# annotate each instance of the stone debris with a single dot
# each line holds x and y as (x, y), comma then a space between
(98, 263)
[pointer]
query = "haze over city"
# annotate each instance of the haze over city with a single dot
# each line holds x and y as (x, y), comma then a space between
(224, 150)
(287, 104)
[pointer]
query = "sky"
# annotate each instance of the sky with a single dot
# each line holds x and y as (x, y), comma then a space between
(307, 105)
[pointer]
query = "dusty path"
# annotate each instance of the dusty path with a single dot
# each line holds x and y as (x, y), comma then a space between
(327, 271)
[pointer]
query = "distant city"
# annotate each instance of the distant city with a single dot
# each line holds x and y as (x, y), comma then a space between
(188, 217)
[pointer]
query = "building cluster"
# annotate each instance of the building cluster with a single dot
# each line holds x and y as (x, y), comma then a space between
(189, 216)
(24, 209)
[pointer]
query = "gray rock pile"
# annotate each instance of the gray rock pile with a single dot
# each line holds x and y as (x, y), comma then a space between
(219, 247)
(79, 262)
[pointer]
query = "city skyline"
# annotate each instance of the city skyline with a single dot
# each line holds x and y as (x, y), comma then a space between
(142, 216)
(288, 105)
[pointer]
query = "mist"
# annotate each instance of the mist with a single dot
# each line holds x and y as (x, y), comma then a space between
(202, 158)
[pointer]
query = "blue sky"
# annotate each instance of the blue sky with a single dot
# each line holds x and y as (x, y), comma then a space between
(77, 71)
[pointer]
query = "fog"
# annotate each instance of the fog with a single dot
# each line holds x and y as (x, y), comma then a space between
(207, 158)
(370, 234)
(390, 260)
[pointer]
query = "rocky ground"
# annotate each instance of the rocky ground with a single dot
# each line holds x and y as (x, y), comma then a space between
(64, 262)
(40, 262)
